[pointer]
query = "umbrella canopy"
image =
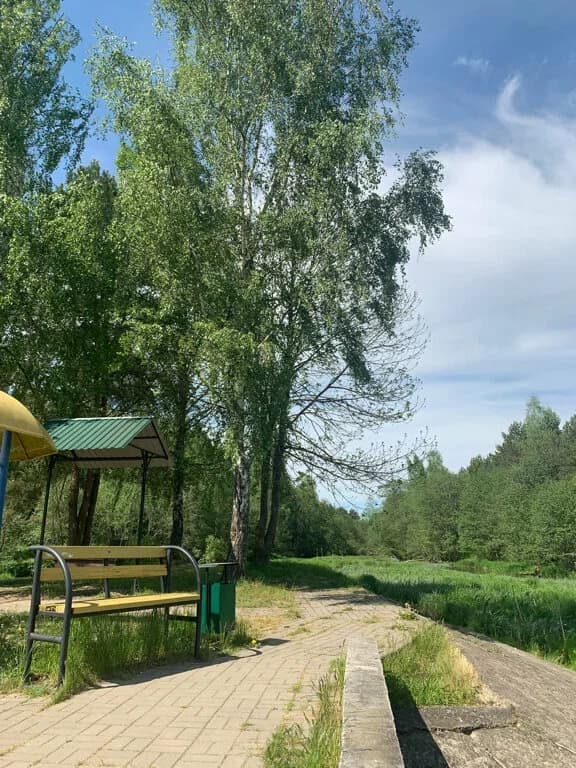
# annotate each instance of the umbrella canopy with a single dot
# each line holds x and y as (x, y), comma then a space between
(29, 438)
(22, 437)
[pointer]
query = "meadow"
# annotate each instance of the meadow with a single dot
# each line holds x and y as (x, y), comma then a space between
(534, 614)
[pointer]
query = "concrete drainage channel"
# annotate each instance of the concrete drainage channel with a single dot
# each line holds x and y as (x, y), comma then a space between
(372, 739)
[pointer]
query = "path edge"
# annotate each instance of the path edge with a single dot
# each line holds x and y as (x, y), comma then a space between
(369, 737)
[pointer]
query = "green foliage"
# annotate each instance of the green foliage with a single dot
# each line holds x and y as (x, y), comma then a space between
(535, 614)
(516, 504)
(289, 105)
(69, 281)
(505, 568)
(311, 527)
(240, 276)
(430, 671)
(319, 745)
(420, 515)
(41, 120)
(553, 521)
(215, 550)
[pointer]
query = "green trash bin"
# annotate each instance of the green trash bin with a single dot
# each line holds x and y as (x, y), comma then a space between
(218, 597)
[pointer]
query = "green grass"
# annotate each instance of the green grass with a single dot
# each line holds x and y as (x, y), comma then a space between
(430, 671)
(105, 647)
(318, 746)
(509, 568)
(255, 593)
(499, 567)
(537, 615)
(118, 646)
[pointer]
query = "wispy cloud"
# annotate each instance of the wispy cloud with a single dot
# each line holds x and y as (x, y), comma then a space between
(498, 292)
(478, 66)
(547, 140)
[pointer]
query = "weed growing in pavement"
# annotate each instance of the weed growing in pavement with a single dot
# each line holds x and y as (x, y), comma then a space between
(319, 745)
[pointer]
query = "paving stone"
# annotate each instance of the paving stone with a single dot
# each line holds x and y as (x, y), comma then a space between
(201, 714)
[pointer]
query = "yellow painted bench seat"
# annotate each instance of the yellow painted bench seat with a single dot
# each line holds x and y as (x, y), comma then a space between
(115, 604)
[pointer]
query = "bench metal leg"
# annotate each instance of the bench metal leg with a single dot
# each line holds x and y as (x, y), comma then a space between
(62, 641)
(29, 641)
(64, 648)
(198, 637)
(34, 606)
(167, 618)
(197, 620)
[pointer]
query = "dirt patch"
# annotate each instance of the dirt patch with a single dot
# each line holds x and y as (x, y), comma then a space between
(265, 620)
(14, 602)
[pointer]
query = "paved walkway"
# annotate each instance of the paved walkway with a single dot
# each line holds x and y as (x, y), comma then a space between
(219, 714)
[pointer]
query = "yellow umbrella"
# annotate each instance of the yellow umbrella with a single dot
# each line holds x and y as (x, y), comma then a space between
(29, 438)
(22, 437)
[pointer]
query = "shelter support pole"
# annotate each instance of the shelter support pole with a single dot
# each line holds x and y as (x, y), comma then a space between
(145, 464)
(46, 498)
(4, 459)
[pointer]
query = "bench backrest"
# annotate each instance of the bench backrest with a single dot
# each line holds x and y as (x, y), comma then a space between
(96, 563)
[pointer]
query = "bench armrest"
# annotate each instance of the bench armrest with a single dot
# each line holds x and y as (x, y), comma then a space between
(191, 559)
(39, 550)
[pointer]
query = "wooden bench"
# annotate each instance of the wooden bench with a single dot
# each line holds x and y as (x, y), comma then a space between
(81, 564)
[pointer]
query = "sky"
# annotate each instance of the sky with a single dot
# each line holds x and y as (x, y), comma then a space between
(490, 86)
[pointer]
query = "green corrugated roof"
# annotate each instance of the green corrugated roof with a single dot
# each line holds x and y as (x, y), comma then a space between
(82, 434)
(109, 441)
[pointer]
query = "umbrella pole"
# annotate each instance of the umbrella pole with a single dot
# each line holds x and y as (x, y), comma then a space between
(145, 465)
(46, 498)
(4, 458)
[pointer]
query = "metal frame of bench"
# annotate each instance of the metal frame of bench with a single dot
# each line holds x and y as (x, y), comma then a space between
(67, 570)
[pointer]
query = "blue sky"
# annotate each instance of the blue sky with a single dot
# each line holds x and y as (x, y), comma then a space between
(492, 87)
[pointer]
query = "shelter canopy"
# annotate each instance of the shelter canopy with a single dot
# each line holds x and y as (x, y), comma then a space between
(114, 441)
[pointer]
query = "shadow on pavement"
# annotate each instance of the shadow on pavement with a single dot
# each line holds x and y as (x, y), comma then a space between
(418, 746)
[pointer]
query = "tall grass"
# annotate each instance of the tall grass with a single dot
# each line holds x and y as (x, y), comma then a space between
(430, 671)
(319, 745)
(105, 647)
(538, 615)
(113, 646)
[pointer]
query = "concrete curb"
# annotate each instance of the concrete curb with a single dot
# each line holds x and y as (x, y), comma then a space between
(368, 732)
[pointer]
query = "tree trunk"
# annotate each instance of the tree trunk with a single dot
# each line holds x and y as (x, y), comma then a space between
(259, 547)
(89, 499)
(81, 515)
(73, 532)
(178, 478)
(277, 475)
(240, 510)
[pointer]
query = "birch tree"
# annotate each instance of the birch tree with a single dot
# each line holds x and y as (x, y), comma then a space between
(42, 121)
(293, 102)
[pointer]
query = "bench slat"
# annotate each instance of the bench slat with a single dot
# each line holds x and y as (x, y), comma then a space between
(113, 553)
(91, 572)
(131, 602)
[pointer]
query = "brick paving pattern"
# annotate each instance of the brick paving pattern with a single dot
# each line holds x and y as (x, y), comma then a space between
(214, 715)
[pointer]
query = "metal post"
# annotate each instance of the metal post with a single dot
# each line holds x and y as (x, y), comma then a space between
(4, 459)
(46, 498)
(145, 465)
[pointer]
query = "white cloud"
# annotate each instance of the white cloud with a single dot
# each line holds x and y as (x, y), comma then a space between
(478, 66)
(546, 140)
(498, 293)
